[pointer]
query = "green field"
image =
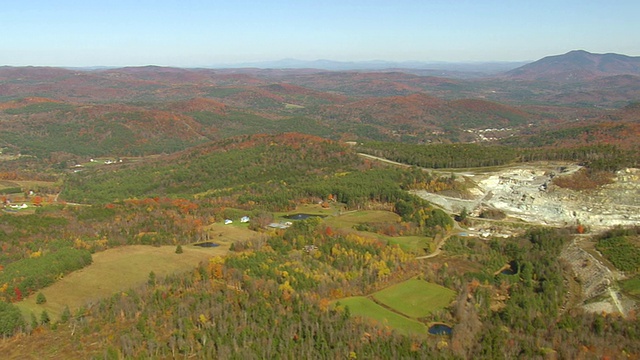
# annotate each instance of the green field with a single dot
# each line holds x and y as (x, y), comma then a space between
(349, 219)
(415, 298)
(410, 243)
(115, 270)
(312, 209)
(400, 306)
(364, 307)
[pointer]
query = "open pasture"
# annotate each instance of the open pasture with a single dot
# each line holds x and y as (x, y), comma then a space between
(367, 308)
(415, 298)
(116, 270)
(348, 220)
(410, 243)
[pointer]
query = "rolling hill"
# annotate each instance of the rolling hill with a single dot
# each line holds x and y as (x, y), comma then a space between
(151, 109)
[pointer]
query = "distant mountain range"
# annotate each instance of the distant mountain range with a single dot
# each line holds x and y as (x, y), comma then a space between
(452, 69)
(577, 65)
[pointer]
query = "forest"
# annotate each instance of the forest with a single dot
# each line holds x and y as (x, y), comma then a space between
(272, 299)
(195, 149)
(279, 295)
(599, 157)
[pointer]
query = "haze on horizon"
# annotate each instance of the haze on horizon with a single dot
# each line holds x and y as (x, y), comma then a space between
(195, 33)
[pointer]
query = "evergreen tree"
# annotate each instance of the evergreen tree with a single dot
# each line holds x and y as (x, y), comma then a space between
(152, 275)
(41, 299)
(11, 319)
(44, 318)
(66, 315)
(34, 321)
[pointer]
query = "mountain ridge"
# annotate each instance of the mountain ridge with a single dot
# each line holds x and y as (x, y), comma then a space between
(577, 65)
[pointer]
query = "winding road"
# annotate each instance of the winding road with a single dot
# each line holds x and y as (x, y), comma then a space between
(455, 231)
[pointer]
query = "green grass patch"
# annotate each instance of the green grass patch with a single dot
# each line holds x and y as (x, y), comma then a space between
(11, 190)
(311, 209)
(410, 243)
(349, 219)
(631, 286)
(415, 298)
(366, 308)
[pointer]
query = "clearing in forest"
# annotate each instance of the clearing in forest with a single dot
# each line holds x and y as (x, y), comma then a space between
(348, 220)
(115, 270)
(368, 309)
(415, 298)
(402, 305)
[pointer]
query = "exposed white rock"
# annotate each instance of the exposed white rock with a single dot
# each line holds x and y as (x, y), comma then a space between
(526, 192)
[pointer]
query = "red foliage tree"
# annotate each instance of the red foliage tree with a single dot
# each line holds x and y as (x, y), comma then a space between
(18, 293)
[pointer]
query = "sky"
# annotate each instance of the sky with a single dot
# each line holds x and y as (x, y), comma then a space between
(196, 33)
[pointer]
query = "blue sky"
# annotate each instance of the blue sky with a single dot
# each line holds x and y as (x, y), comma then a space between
(202, 33)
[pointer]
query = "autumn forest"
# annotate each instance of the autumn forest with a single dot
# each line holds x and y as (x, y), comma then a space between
(193, 213)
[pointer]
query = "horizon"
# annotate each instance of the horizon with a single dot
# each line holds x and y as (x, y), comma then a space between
(201, 34)
(415, 64)
(375, 64)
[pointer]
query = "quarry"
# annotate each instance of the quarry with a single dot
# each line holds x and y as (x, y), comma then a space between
(526, 192)
(526, 195)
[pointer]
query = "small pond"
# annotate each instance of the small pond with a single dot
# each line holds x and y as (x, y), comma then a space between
(207, 244)
(302, 216)
(440, 329)
(512, 269)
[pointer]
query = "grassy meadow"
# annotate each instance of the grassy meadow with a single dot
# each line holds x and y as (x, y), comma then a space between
(632, 286)
(115, 270)
(415, 298)
(401, 305)
(367, 308)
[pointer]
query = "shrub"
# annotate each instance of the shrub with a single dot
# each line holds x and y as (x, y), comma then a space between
(66, 315)
(44, 317)
(41, 299)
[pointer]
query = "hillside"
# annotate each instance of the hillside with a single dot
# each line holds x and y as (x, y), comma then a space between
(577, 65)
(152, 110)
(417, 115)
(243, 165)
(46, 126)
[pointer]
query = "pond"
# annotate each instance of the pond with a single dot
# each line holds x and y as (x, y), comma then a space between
(302, 216)
(440, 329)
(512, 269)
(207, 244)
